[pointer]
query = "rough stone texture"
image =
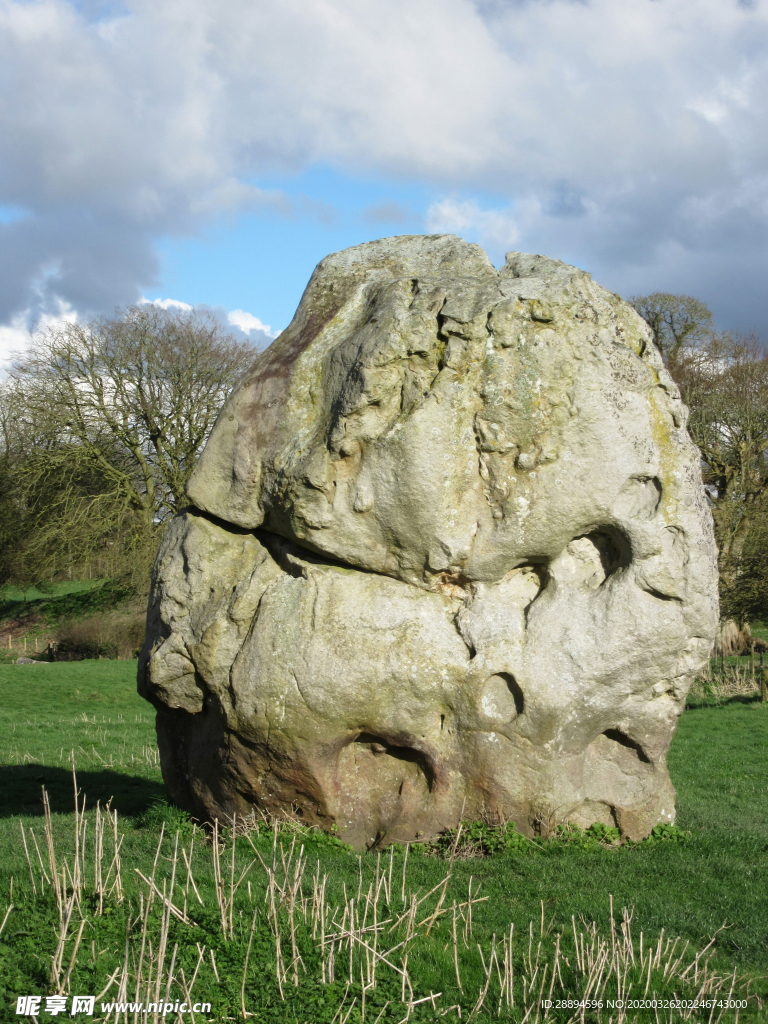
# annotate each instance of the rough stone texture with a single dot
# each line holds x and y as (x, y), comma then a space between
(450, 552)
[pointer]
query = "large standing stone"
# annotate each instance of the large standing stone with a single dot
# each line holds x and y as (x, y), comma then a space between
(449, 553)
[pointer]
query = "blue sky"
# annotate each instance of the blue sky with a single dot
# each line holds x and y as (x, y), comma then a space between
(213, 153)
(262, 261)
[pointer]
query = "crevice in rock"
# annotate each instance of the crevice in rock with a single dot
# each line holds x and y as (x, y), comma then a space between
(617, 736)
(658, 594)
(224, 524)
(540, 569)
(464, 637)
(598, 555)
(613, 548)
(283, 550)
(501, 698)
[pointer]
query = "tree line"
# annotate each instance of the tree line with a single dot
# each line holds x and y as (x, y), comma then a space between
(101, 422)
(723, 379)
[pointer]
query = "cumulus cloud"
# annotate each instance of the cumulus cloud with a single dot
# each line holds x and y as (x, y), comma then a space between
(626, 135)
(247, 323)
(242, 325)
(496, 230)
(16, 336)
(168, 303)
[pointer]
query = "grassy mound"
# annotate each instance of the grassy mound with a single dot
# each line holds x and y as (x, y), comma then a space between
(85, 619)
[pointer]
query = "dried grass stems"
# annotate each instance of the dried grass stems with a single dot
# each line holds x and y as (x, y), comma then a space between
(378, 932)
(723, 683)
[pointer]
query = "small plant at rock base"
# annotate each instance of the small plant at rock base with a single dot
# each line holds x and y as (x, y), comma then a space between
(478, 839)
(597, 834)
(175, 819)
(667, 834)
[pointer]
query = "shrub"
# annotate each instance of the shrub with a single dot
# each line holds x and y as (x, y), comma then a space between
(112, 634)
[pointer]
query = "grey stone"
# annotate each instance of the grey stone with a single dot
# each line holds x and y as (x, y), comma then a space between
(449, 553)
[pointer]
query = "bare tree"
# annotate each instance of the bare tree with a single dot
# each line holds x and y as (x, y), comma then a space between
(101, 423)
(679, 323)
(136, 395)
(725, 385)
(724, 381)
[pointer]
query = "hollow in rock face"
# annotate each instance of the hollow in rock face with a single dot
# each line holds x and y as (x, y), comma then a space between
(448, 553)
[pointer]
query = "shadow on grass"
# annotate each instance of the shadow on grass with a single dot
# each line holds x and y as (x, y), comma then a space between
(21, 790)
(65, 606)
(704, 703)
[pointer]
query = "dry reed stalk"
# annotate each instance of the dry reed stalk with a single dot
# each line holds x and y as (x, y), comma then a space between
(178, 914)
(188, 864)
(73, 885)
(65, 984)
(187, 994)
(169, 982)
(488, 971)
(145, 922)
(389, 883)
(52, 853)
(40, 862)
(5, 918)
(118, 883)
(218, 882)
(200, 959)
(190, 878)
(150, 973)
(26, 854)
(232, 873)
(59, 953)
(245, 967)
(122, 988)
(98, 856)
(294, 891)
(76, 881)
(108, 986)
(160, 962)
(456, 951)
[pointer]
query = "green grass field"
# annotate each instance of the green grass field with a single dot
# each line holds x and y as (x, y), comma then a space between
(716, 875)
(64, 598)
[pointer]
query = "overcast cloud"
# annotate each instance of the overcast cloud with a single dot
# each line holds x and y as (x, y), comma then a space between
(626, 135)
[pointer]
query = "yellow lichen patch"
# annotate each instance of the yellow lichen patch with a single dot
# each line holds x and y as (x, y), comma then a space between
(669, 474)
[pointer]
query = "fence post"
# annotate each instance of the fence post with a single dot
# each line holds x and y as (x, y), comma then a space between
(764, 685)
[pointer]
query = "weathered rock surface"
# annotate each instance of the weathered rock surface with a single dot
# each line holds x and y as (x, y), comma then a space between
(450, 552)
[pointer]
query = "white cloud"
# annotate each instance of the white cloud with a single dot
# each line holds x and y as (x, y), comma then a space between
(16, 336)
(168, 303)
(247, 322)
(598, 125)
(494, 229)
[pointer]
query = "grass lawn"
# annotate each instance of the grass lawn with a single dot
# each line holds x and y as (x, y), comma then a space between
(11, 595)
(689, 888)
